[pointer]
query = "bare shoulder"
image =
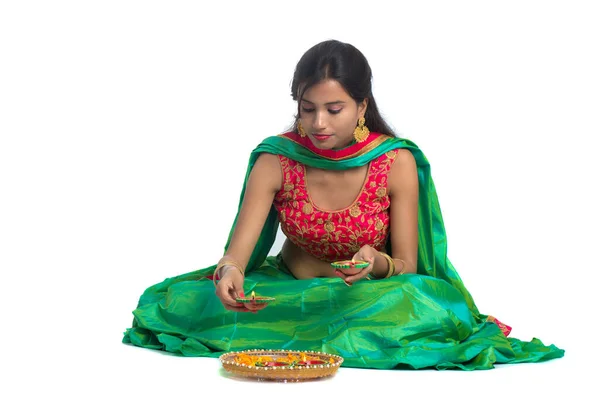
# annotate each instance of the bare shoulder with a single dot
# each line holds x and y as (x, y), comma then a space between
(405, 157)
(268, 160)
(403, 172)
(267, 171)
(404, 162)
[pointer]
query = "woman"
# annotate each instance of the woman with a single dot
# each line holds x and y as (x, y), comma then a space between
(343, 187)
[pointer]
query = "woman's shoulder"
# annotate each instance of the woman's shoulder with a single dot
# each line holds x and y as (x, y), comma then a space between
(267, 161)
(267, 171)
(395, 157)
(402, 159)
(403, 156)
(403, 170)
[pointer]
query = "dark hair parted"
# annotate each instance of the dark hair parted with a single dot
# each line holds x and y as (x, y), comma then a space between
(345, 64)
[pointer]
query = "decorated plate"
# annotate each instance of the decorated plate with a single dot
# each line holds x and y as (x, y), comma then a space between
(286, 365)
(253, 298)
(350, 264)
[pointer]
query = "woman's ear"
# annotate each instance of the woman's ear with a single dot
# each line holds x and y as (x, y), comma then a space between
(362, 107)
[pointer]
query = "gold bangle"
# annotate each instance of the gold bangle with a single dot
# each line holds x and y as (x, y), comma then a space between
(391, 265)
(225, 263)
(403, 266)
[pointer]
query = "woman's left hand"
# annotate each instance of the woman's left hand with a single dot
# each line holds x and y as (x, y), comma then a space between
(351, 275)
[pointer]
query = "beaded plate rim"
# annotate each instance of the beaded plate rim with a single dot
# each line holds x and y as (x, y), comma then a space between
(287, 372)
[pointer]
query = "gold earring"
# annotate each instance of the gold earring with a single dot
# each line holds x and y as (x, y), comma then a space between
(301, 130)
(361, 132)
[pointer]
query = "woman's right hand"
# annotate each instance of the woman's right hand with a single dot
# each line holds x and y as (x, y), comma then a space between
(230, 287)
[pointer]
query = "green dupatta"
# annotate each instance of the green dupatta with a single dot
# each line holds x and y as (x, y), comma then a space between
(419, 320)
(432, 253)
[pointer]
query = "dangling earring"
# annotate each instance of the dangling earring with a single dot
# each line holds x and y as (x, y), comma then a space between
(301, 130)
(361, 132)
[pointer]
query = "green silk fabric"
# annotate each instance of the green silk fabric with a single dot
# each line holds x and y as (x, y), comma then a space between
(423, 320)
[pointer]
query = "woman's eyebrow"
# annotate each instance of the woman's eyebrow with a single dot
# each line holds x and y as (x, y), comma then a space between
(327, 104)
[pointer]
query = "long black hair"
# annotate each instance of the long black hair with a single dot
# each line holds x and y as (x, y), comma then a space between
(345, 64)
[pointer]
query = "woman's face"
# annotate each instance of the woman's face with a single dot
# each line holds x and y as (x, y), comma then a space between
(329, 115)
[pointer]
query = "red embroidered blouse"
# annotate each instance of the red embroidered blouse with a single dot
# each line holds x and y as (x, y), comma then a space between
(335, 235)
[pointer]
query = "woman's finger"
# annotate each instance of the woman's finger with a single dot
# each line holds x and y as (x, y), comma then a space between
(360, 275)
(255, 306)
(224, 293)
(340, 274)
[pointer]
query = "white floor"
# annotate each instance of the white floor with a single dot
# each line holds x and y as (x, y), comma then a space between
(111, 370)
(142, 374)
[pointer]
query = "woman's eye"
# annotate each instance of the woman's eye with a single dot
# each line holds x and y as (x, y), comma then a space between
(309, 110)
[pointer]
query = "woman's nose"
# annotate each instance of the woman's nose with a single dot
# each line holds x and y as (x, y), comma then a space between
(320, 121)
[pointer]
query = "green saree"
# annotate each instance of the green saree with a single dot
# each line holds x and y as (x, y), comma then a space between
(423, 320)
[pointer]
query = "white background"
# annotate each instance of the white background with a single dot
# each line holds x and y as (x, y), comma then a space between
(126, 128)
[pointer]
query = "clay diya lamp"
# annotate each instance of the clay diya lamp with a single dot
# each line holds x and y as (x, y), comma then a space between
(350, 267)
(253, 298)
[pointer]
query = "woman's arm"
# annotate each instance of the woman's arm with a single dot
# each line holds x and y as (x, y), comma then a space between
(403, 184)
(264, 182)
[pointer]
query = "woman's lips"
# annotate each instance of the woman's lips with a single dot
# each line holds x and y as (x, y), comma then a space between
(321, 137)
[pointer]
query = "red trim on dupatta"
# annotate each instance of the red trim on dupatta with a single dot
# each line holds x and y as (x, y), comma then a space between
(503, 327)
(354, 150)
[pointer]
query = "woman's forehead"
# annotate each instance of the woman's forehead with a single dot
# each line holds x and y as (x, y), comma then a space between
(326, 92)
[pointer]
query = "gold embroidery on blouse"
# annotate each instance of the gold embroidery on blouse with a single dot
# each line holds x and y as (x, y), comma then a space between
(355, 211)
(307, 208)
(380, 192)
(329, 226)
